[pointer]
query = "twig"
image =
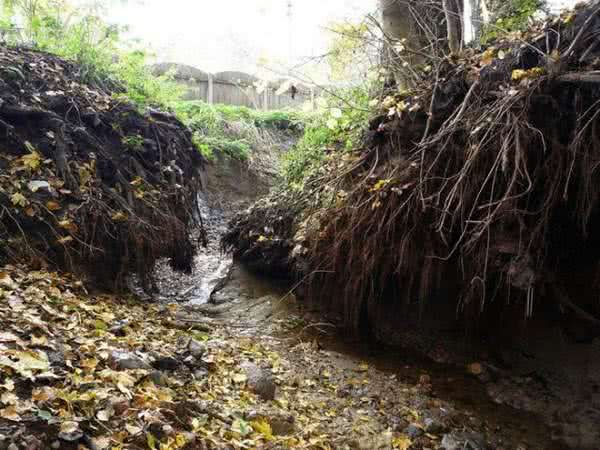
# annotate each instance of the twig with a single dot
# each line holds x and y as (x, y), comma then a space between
(583, 29)
(563, 299)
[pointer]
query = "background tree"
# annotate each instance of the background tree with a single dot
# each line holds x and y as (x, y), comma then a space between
(453, 10)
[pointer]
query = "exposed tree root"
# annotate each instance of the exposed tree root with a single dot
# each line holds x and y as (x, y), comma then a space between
(474, 202)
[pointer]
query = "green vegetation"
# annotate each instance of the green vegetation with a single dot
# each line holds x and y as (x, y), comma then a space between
(134, 143)
(80, 35)
(348, 44)
(510, 16)
(232, 130)
(338, 124)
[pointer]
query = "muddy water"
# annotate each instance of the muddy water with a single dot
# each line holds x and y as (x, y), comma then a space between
(449, 383)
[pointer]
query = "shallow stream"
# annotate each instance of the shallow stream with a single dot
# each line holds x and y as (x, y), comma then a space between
(218, 280)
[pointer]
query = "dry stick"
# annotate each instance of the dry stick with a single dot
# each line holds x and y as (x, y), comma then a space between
(497, 162)
(563, 299)
(431, 104)
(583, 29)
(315, 325)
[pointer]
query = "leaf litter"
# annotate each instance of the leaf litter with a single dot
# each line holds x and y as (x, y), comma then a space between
(90, 371)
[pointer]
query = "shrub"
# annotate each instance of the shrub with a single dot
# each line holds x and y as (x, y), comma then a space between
(232, 130)
(337, 125)
(510, 16)
(93, 44)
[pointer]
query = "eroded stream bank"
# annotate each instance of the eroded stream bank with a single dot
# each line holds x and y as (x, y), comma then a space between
(371, 397)
(368, 396)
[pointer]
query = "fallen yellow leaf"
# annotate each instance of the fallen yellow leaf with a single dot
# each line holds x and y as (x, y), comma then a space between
(401, 442)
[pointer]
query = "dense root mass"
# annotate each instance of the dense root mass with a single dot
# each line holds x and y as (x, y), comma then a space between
(478, 189)
(260, 236)
(87, 182)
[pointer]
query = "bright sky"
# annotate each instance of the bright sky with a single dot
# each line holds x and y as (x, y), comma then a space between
(235, 34)
(557, 5)
(217, 35)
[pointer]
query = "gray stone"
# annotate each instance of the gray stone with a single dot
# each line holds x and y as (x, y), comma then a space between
(166, 363)
(260, 381)
(433, 426)
(118, 328)
(413, 431)
(124, 360)
(158, 378)
(463, 441)
(200, 374)
(196, 348)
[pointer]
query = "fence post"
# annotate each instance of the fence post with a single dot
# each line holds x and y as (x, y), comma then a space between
(266, 99)
(211, 92)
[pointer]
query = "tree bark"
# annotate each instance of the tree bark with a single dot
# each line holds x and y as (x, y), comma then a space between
(453, 10)
(476, 20)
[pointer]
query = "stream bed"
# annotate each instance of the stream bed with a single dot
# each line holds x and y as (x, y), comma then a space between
(261, 309)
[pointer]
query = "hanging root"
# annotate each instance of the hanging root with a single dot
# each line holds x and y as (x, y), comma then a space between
(474, 202)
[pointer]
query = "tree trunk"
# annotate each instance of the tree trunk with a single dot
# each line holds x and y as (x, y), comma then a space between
(398, 24)
(476, 20)
(453, 10)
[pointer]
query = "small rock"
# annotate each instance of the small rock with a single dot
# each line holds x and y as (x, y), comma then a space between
(118, 329)
(33, 443)
(166, 363)
(463, 441)
(200, 374)
(160, 430)
(475, 368)
(433, 426)
(168, 430)
(158, 378)
(196, 348)
(123, 360)
(260, 381)
(424, 379)
(413, 431)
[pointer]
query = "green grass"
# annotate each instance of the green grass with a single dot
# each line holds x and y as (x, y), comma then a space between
(97, 47)
(232, 130)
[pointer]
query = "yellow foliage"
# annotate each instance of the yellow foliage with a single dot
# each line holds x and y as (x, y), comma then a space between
(32, 161)
(263, 427)
(19, 199)
(380, 185)
(401, 442)
(520, 74)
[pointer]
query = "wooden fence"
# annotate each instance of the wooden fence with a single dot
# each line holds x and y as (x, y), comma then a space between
(237, 88)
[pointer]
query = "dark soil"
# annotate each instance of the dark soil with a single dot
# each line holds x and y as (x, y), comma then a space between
(88, 183)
